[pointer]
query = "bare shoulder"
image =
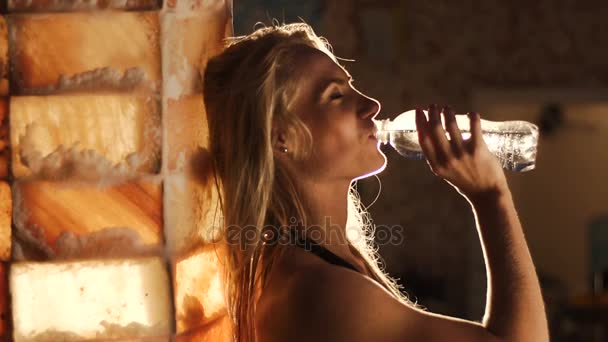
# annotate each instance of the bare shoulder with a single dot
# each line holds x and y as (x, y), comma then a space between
(328, 303)
(335, 304)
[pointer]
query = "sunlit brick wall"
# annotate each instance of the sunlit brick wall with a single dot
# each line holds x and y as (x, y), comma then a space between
(105, 211)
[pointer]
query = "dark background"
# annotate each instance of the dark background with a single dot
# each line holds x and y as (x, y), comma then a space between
(541, 61)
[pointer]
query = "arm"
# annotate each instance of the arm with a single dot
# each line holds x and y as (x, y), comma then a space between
(515, 309)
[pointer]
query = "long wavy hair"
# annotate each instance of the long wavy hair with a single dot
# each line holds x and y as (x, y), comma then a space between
(248, 90)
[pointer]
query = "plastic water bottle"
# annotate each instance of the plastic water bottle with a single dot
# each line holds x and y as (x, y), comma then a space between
(512, 142)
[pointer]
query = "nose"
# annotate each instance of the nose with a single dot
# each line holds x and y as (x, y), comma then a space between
(369, 107)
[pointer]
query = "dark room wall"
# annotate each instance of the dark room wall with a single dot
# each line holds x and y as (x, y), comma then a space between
(413, 53)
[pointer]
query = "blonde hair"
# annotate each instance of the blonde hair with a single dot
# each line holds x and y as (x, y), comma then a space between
(248, 90)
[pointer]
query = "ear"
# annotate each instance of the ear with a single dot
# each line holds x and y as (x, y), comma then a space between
(281, 138)
(278, 133)
(280, 144)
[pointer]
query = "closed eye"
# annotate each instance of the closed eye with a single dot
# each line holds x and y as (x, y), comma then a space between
(335, 96)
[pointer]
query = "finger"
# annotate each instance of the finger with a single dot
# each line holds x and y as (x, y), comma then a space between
(434, 119)
(438, 135)
(475, 123)
(423, 135)
(452, 128)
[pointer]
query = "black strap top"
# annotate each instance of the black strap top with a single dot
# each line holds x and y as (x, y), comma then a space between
(322, 252)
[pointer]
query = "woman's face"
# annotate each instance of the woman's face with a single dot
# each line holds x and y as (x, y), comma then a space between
(339, 118)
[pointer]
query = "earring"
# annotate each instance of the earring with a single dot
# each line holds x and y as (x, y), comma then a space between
(284, 149)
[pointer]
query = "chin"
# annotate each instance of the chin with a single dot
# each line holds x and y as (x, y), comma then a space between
(380, 165)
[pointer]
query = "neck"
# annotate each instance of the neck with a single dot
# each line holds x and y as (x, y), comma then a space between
(327, 204)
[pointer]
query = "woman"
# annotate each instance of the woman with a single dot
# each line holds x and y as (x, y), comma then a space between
(288, 136)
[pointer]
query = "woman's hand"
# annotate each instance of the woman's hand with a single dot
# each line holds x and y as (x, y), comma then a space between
(467, 165)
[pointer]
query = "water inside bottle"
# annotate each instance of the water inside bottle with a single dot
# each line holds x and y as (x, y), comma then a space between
(515, 150)
(406, 143)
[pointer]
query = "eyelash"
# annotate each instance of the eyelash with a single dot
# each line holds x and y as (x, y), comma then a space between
(335, 96)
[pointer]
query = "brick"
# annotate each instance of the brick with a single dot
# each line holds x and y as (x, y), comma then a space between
(4, 303)
(79, 5)
(186, 131)
(6, 213)
(63, 220)
(193, 31)
(117, 128)
(4, 138)
(218, 330)
(136, 339)
(96, 299)
(81, 52)
(3, 57)
(192, 213)
(198, 289)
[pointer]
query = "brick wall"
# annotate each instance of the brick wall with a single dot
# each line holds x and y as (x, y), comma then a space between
(101, 217)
